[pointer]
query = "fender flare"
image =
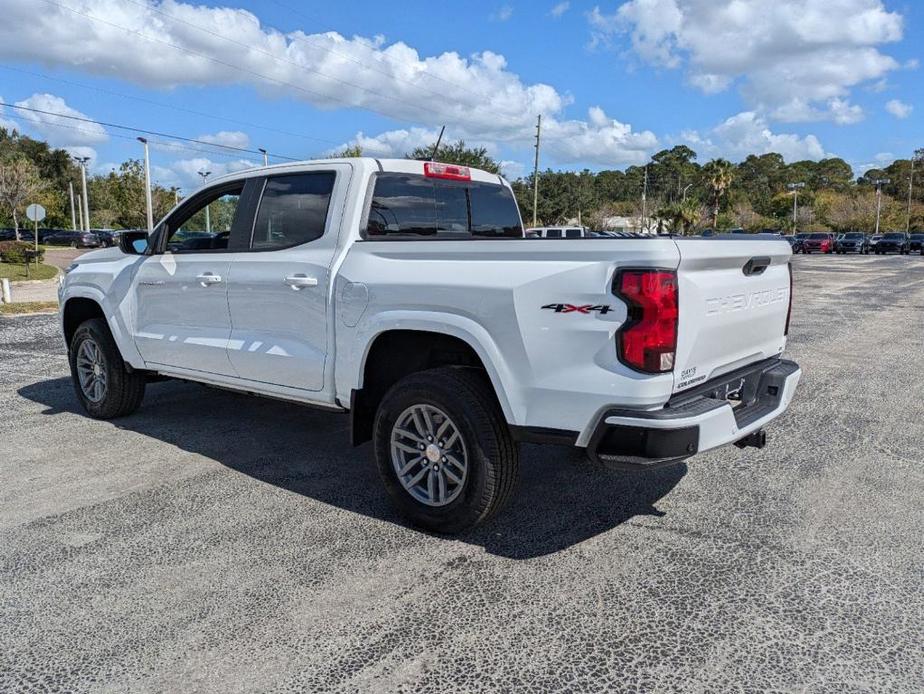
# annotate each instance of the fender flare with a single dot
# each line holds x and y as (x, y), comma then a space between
(352, 361)
(118, 320)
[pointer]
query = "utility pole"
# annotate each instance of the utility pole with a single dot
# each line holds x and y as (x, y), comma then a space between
(917, 156)
(148, 208)
(644, 220)
(70, 189)
(536, 170)
(879, 182)
(83, 181)
(208, 222)
(265, 156)
(795, 188)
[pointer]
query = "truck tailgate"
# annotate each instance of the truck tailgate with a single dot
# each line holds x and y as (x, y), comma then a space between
(734, 300)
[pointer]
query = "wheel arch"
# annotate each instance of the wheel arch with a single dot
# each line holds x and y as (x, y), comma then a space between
(395, 352)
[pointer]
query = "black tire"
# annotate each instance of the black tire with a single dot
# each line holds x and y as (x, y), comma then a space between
(492, 459)
(123, 391)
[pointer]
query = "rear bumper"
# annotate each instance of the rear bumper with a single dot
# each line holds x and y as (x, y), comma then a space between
(697, 420)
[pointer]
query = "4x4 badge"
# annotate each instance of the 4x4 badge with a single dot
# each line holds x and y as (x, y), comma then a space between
(584, 308)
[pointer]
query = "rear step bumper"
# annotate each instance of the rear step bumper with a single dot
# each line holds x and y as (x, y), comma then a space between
(697, 420)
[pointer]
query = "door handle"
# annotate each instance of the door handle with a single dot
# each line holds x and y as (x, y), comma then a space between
(207, 278)
(299, 281)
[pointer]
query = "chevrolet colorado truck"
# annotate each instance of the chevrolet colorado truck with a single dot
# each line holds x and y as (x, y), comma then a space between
(406, 294)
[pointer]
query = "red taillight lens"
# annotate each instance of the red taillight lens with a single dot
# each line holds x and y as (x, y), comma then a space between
(451, 171)
(648, 340)
(789, 310)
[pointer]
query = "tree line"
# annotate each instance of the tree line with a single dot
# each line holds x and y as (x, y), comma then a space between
(673, 191)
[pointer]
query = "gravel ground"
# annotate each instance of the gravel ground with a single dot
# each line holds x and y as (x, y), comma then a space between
(214, 542)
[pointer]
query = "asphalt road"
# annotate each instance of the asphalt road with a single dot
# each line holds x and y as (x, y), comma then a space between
(218, 543)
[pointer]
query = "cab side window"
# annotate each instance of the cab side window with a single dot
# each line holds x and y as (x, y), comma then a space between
(293, 210)
(205, 225)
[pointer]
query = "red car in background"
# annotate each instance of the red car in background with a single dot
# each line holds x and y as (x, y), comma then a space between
(818, 242)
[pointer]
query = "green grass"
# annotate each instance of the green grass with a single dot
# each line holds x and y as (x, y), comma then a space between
(14, 271)
(28, 307)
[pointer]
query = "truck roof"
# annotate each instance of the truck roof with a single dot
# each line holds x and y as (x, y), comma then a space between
(370, 164)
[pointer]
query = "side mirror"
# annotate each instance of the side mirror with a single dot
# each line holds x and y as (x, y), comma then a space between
(133, 242)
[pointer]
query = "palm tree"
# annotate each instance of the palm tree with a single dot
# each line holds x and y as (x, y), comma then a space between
(719, 174)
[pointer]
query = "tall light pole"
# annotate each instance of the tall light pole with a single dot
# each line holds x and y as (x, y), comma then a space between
(83, 181)
(80, 211)
(919, 157)
(265, 156)
(70, 189)
(208, 222)
(148, 207)
(536, 170)
(685, 189)
(879, 182)
(795, 188)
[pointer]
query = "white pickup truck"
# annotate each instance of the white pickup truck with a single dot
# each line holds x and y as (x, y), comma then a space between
(405, 293)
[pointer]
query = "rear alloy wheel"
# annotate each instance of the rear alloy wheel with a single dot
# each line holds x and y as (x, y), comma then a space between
(103, 384)
(444, 450)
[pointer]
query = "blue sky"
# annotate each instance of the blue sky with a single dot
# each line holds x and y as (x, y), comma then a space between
(614, 81)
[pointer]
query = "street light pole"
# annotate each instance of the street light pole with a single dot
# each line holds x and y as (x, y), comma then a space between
(70, 190)
(83, 182)
(685, 189)
(208, 222)
(265, 156)
(917, 156)
(148, 208)
(879, 182)
(795, 188)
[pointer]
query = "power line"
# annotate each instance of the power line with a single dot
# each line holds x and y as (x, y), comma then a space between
(147, 132)
(161, 104)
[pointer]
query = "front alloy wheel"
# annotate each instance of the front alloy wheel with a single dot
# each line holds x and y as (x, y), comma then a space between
(91, 370)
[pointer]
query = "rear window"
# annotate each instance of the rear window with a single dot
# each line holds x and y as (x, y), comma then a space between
(853, 235)
(406, 205)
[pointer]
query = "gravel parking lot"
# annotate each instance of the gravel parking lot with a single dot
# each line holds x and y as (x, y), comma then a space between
(214, 542)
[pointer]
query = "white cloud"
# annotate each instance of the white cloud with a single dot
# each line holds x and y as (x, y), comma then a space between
(795, 59)
(186, 171)
(898, 108)
(599, 140)
(559, 9)
(60, 132)
(503, 14)
(512, 170)
(227, 138)
(748, 133)
(476, 95)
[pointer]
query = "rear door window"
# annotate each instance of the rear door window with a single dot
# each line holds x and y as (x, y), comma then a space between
(293, 210)
(409, 205)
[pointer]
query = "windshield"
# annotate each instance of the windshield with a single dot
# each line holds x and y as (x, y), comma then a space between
(894, 235)
(818, 236)
(853, 235)
(917, 237)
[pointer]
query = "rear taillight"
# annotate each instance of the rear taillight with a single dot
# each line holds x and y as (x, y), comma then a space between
(789, 310)
(647, 341)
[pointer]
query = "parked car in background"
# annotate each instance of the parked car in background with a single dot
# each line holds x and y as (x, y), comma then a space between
(107, 237)
(893, 242)
(185, 240)
(852, 242)
(818, 242)
(916, 243)
(556, 232)
(795, 243)
(74, 239)
(873, 241)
